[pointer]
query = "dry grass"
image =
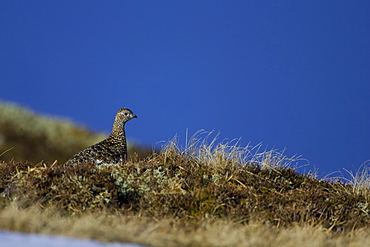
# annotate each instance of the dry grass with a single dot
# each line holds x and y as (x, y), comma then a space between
(360, 180)
(109, 227)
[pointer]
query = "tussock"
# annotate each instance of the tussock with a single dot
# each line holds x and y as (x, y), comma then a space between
(360, 180)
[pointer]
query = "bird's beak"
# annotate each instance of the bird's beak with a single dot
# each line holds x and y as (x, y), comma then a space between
(134, 116)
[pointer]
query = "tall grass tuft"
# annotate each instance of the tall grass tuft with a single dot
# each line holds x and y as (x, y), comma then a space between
(360, 180)
(208, 150)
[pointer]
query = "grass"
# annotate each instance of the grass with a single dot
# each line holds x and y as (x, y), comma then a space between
(360, 180)
(117, 227)
(205, 194)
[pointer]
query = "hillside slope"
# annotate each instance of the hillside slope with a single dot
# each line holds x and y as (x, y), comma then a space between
(206, 194)
(25, 135)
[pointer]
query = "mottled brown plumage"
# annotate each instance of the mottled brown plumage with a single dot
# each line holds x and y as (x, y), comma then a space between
(112, 150)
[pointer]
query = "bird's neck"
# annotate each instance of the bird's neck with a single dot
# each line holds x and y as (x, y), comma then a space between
(118, 130)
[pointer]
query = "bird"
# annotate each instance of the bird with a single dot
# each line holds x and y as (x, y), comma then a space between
(113, 149)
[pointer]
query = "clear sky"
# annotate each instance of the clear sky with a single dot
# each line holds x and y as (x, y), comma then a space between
(291, 74)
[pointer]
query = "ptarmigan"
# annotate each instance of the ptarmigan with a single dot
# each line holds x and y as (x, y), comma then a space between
(113, 149)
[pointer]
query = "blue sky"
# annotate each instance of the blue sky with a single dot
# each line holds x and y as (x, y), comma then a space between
(290, 74)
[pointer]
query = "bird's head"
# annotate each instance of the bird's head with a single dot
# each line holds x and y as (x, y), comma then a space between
(125, 114)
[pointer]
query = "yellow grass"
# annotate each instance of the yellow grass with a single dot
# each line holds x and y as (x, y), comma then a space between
(108, 227)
